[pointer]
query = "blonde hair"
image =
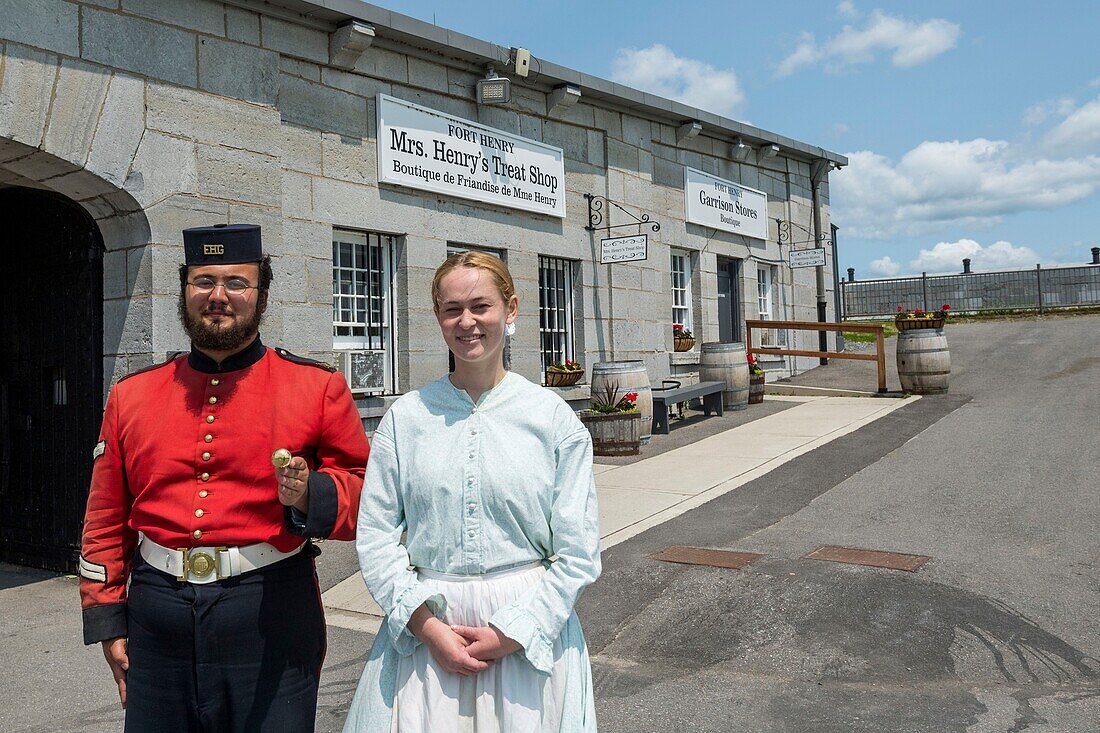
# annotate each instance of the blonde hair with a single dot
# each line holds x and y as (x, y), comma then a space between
(482, 261)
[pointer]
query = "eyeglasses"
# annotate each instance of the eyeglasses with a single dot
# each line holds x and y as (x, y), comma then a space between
(233, 286)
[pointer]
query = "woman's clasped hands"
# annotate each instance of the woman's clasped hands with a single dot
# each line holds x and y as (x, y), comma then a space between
(462, 650)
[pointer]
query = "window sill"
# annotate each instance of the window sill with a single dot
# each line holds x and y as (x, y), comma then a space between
(680, 358)
(575, 392)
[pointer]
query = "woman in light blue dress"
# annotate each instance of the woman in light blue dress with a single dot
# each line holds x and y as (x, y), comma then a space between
(491, 478)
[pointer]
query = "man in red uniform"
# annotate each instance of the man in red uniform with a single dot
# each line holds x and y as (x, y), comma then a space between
(222, 627)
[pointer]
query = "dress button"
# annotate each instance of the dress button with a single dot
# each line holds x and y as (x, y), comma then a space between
(473, 432)
(206, 456)
(471, 455)
(197, 534)
(205, 476)
(213, 400)
(214, 382)
(209, 418)
(199, 512)
(203, 494)
(208, 437)
(470, 533)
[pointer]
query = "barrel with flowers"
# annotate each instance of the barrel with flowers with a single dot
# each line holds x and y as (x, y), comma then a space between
(923, 359)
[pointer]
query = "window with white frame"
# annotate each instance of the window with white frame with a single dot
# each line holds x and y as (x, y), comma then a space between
(362, 333)
(765, 279)
(555, 310)
(680, 267)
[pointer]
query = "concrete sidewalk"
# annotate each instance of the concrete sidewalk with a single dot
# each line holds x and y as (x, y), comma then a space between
(641, 495)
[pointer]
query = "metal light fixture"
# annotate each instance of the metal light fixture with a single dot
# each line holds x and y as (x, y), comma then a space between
(563, 97)
(739, 151)
(688, 130)
(769, 151)
(494, 89)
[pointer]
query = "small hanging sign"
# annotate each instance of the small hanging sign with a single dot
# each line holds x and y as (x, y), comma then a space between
(808, 257)
(624, 249)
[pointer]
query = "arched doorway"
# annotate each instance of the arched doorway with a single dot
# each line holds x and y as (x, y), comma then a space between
(51, 375)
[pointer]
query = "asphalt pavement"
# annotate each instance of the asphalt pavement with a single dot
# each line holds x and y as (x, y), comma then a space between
(998, 632)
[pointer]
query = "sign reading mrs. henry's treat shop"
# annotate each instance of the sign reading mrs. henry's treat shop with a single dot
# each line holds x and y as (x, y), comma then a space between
(432, 151)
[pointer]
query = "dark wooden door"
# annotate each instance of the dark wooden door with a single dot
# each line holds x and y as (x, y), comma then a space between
(729, 300)
(51, 367)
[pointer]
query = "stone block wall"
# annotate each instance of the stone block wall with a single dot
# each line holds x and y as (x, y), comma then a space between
(157, 116)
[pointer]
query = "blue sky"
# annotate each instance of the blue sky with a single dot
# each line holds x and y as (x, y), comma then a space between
(973, 128)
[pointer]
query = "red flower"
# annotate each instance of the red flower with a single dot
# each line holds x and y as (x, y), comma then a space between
(945, 307)
(899, 309)
(631, 396)
(751, 358)
(919, 312)
(677, 327)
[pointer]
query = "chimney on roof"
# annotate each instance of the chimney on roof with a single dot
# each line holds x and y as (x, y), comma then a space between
(966, 265)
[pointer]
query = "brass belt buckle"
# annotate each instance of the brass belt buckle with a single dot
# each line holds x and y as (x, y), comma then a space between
(199, 564)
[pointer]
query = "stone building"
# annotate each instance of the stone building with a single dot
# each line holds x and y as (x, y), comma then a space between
(124, 121)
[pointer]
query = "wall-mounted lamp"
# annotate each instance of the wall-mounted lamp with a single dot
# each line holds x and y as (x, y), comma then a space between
(739, 151)
(688, 130)
(494, 89)
(563, 97)
(769, 151)
(348, 42)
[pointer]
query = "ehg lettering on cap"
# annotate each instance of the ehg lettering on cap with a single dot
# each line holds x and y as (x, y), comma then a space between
(213, 249)
(222, 244)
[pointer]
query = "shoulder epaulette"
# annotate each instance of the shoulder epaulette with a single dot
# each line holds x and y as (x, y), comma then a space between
(283, 353)
(172, 356)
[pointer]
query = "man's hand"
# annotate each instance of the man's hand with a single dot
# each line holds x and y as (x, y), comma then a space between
(294, 484)
(486, 643)
(115, 652)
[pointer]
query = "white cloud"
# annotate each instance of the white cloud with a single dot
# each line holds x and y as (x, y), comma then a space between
(847, 9)
(947, 257)
(908, 43)
(658, 70)
(1078, 133)
(1037, 114)
(885, 267)
(1095, 83)
(959, 183)
(839, 129)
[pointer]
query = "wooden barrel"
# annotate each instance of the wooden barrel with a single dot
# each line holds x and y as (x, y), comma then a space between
(726, 362)
(756, 389)
(924, 363)
(628, 376)
(614, 434)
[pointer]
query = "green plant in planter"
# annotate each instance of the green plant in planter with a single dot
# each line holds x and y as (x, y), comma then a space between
(754, 367)
(565, 366)
(607, 401)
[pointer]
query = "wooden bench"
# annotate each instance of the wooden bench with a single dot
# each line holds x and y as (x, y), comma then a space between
(665, 397)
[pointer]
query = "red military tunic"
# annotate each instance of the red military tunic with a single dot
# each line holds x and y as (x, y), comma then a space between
(185, 458)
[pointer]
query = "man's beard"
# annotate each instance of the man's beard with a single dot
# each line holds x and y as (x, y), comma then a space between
(219, 338)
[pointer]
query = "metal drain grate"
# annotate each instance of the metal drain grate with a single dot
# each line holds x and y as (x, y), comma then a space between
(703, 556)
(872, 558)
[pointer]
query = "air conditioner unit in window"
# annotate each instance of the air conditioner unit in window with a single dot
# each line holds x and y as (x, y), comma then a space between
(364, 370)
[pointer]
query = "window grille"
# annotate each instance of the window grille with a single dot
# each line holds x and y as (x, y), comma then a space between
(555, 310)
(361, 305)
(765, 276)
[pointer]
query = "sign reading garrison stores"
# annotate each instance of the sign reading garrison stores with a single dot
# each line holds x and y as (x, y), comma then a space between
(432, 151)
(721, 204)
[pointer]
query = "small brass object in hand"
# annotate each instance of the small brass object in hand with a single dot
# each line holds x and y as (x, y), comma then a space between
(280, 458)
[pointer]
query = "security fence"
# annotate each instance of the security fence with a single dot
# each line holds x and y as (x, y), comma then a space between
(1039, 289)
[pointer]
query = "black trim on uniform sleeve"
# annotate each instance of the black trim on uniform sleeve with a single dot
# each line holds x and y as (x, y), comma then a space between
(323, 505)
(105, 622)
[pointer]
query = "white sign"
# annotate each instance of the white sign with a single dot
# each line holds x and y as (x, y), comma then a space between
(808, 257)
(624, 249)
(721, 204)
(432, 151)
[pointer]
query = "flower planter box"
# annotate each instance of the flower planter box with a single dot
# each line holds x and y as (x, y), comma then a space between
(614, 433)
(685, 343)
(907, 324)
(756, 388)
(555, 378)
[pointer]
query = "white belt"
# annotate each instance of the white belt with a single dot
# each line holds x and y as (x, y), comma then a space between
(206, 564)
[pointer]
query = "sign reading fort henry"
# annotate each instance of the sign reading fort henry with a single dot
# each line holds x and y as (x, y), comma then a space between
(432, 151)
(721, 204)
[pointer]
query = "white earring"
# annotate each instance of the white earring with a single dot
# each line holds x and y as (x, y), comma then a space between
(509, 329)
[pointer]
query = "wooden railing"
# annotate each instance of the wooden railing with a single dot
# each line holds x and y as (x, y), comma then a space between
(877, 329)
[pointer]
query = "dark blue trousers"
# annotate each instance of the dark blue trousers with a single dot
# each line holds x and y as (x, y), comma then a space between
(237, 655)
